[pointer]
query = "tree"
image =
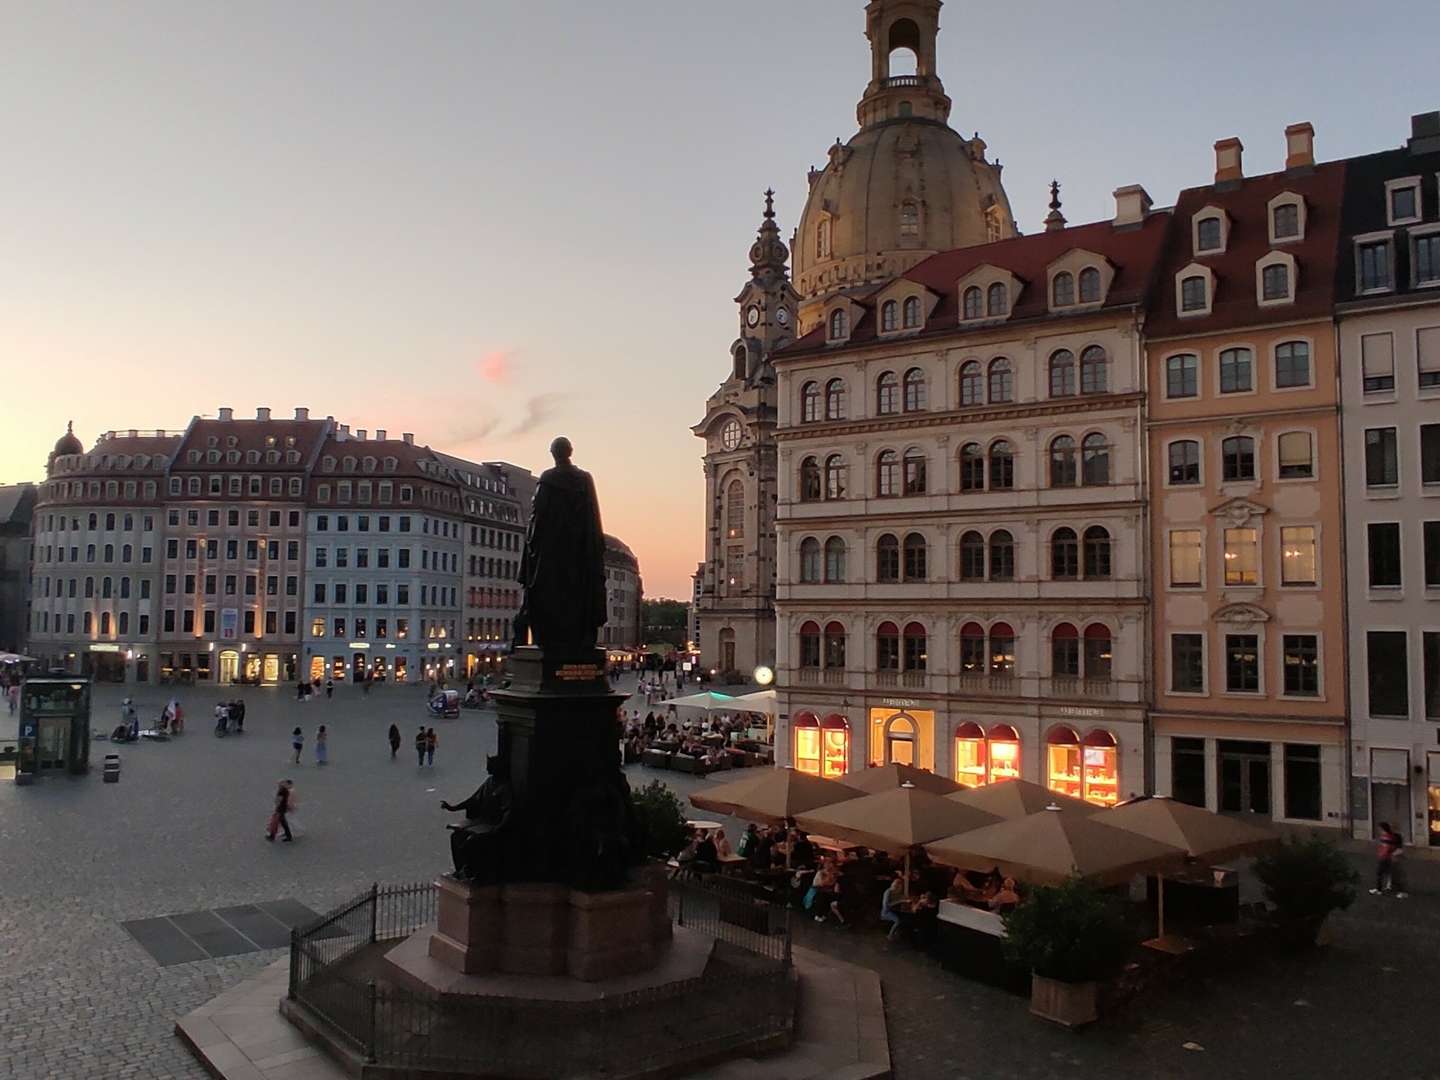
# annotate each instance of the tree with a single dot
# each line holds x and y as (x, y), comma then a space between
(665, 622)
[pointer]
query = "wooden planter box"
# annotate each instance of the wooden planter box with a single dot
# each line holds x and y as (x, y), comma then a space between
(1071, 1004)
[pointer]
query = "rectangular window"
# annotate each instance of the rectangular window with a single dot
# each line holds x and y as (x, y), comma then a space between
(1431, 642)
(1236, 371)
(340, 627)
(1297, 555)
(1187, 771)
(1242, 663)
(1427, 259)
(1427, 353)
(1242, 557)
(271, 622)
(188, 622)
(1185, 558)
(1404, 204)
(319, 592)
(1430, 454)
(1388, 672)
(1382, 460)
(1377, 362)
(1182, 376)
(1297, 459)
(1432, 554)
(1374, 265)
(209, 620)
(1187, 663)
(1302, 665)
(1302, 782)
(1384, 545)
(249, 622)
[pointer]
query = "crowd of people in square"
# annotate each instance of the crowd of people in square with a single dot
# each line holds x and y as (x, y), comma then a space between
(716, 742)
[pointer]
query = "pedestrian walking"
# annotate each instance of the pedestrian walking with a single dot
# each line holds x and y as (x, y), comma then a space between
(297, 743)
(279, 816)
(329, 689)
(1389, 871)
(431, 741)
(237, 715)
(420, 742)
(322, 746)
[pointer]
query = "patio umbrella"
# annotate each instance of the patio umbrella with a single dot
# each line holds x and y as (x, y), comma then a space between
(898, 820)
(762, 701)
(1019, 798)
(1051, 846)
(706, 699)
(890, 777)
(773, 796)
(1193, 829)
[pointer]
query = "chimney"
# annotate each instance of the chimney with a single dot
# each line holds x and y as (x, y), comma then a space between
(345, 430)
(1132, 203)
(134, 434)
(227, 414)
(262, 413)
(360, 434)
(302, 413)
(380, 434)
(409, 438)
(1424, 133)
(1300, 146)
(1227, 161)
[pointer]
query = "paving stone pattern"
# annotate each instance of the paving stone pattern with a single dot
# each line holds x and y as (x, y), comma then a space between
(80, 999)
(230, 931)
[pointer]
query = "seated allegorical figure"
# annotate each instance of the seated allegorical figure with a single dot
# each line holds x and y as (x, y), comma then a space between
(475, 846)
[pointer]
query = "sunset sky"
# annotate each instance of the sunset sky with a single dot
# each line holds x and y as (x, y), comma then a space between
(493, 222)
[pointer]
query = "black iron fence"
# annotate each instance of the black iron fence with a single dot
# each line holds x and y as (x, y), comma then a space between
(744, 998)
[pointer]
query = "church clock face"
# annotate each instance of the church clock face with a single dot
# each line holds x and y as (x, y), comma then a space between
(783, 317)
(752, 317)
(730, 434)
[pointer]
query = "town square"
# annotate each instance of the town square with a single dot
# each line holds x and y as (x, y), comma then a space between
(632, 541)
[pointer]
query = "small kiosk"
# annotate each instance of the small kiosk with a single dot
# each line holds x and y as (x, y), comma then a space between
(54, 727)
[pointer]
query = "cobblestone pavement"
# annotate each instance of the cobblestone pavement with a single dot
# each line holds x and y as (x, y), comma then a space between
(182, 831)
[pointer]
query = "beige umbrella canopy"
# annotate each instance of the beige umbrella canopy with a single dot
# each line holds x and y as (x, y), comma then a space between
(773, 796)
(895, 820)
(889, 777)
(1196, 831)
(1019, 798)
(1051, 846)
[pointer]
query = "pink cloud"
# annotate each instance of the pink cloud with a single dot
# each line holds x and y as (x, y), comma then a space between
(494, 366)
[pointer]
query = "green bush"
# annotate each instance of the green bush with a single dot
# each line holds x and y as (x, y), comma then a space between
(1307, 878)
(659, 820)
(1071, 932)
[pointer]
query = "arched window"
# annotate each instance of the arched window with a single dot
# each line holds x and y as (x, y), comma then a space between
(1062, 462)
(123, 626)
(835, 399)
(1184, 462)
(735, 509)
(887, 474)
(107, 586)
(1095, 459)
(915, 651)
(914, 390)
(972, 556)
(997, 300)
(836, 477)
(1102, 768)
(972, 649)
(914, 472)
(809, 560)
(972, 468)
(1062, 763)
(810, 645)
(915, 557)
(971, 303)
(1097, 652)
(971, 385)
(1237, 371)
(1002, 650)
(887, 558)
(887, 647)
(1062, 373)
(1002, 381)
(834, 560)
(1192, 293)
(1292, 363)
(1237, 458)
(900, 740)
(104, 622)
(834, 645)
(1064, 289)
(806, 728)
(741, 361)
(1094, 371)
(835, 746)
(822, 239)
(1002, 556)
(970, 755)
(887, 394)
(1275, 282)
(1097, 552)
(1065, 652)
(1064, 554)
(1003, 749)
(912, 313)
(839, 324)
(809, 480)
(909, 223)
(810, 403)
(1089, 285)
(889, 312)
(1182, 376)
(1002, 466)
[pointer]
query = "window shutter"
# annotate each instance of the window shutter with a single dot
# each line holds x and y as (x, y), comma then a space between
(1377, 353)
(1427, 348)
(1295, 449)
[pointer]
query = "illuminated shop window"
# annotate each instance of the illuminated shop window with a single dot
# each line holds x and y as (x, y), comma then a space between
(834, 747)
(1062, 763)
(1003, 751)
(807, 743)
(1102, 768)
(970, 756)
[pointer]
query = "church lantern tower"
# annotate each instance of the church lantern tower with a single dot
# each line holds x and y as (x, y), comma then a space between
(736, 601)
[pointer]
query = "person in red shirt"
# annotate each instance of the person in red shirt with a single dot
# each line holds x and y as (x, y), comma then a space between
(1389, 873)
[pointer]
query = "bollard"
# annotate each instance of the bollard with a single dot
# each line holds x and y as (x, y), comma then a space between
(111, 772)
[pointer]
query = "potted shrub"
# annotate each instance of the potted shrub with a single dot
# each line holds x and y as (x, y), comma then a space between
(659, 820)
(1306, 879)
(1069, 937)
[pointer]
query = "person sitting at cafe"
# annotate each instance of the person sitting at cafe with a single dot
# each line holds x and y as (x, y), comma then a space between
(707, 858)
(722, 845)
(925, 920)
(802, 851)
(889, 904)
(963, 889)
(1006, 898)
(823, 898)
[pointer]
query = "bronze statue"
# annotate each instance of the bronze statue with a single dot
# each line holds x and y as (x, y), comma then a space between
(475, 846)
(563, 568)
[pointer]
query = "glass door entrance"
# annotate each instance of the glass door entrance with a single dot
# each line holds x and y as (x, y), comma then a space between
(229, 667)
(1244, 777)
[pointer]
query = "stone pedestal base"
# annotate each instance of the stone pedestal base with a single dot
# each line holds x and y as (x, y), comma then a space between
(548, 929)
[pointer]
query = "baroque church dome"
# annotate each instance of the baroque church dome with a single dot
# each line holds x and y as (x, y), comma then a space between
(906, 185)
(68, 443)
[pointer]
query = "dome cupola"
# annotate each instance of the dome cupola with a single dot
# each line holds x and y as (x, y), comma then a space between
(68, 444)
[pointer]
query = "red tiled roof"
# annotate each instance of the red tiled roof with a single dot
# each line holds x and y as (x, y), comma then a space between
(1247, 206)
(249, 435)
(1133, 252)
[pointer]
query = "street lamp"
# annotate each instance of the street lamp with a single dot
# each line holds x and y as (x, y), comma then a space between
(764, 676)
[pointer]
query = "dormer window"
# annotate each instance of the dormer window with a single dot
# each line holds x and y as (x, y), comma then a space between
(1193, 294)
(889, 316)
(997, 300)
(1275, 283)
(1209, 235)
(1373, 263)
(1402, 201)
(972, 307)
(1285, 222)
(839, 325)
(912, 313)
(1063, 289)
(1089, 285)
